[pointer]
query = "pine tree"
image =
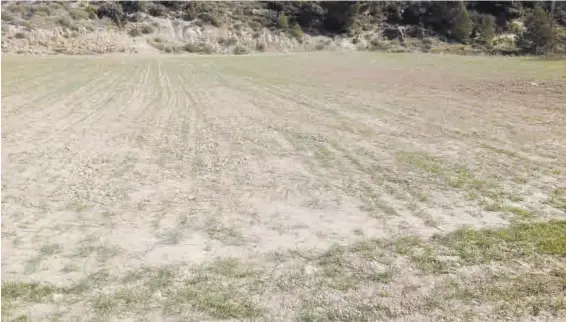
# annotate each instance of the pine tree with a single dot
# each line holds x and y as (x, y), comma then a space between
(487, 28)
(537, 39)
(462, 23)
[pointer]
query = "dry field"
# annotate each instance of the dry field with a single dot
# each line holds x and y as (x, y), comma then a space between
(307, 187)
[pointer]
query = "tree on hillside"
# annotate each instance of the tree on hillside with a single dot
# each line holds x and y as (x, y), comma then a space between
(537, 39)
(486, 28)
(461, 24)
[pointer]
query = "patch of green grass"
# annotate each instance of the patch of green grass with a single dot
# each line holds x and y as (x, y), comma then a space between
(27, 291)
(324, 156)
(517, 241)
(223, 289)
(500, 150)
(50, 249)
(32, 265)
(345, 267)
(103, 253)
(518, 294)
(217, 230)
(423, 161)
(337, 270)
(319, 310)
(124, 299)
(91, 282)
(518, 211)
(172, 237)
(374, 204)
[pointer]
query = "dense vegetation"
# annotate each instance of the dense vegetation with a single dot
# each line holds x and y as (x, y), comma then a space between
(465, 22)
(536, 27)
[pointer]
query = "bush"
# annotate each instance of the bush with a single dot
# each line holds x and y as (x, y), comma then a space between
(156, 10)
(7, 16)
(92, 12)
(376, 44)
(211, 19)
(241, 50)
(462, 24)
(135, 32)
(260, 47)
(192, 48)
(538, 36)
(147, 29)
(134, 6)
(79, 14)
(297, 32)
(283, 22)
(486, 28)
(67, 23)
(113, 12)
(228, 42)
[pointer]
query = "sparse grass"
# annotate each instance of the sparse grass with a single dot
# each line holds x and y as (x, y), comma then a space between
(217, 230)
(518, 241)
(557, 199)
(221, 290)
(103, 253)
(172, 237)
(67, 23)
(511, 293)
(79, 14)
(32, 265)
(26, 291)
(241, 177)
(486, 192)
(318, 309)
(324, 156)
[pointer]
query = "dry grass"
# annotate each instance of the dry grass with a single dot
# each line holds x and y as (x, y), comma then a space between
(313, 187)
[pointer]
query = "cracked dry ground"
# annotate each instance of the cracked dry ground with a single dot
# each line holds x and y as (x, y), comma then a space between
(309, 187)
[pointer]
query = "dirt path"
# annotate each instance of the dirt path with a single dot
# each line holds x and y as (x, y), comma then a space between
(200, 187)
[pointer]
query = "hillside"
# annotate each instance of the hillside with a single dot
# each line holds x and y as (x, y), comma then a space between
(92, 27)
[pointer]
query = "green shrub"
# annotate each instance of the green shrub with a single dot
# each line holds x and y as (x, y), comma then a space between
(91, 12)
(283, 22)
(79, 14)
(297, 32)
(211, 19)
(486, 28)
(192, 48)
(538, 36)
(241, 50)
(147, 29)
(112, 11)
(67, 23)
(7, 16)
(260, 47)
(462, 24)
(157, 10)
(377, 44)
(135, 32)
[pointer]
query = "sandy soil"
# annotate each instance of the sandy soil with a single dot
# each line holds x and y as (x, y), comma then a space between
(124, 164)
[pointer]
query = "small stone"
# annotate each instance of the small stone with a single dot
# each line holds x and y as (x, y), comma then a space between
(57, 297)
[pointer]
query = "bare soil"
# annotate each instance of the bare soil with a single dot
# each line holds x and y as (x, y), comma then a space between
(206, 188)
